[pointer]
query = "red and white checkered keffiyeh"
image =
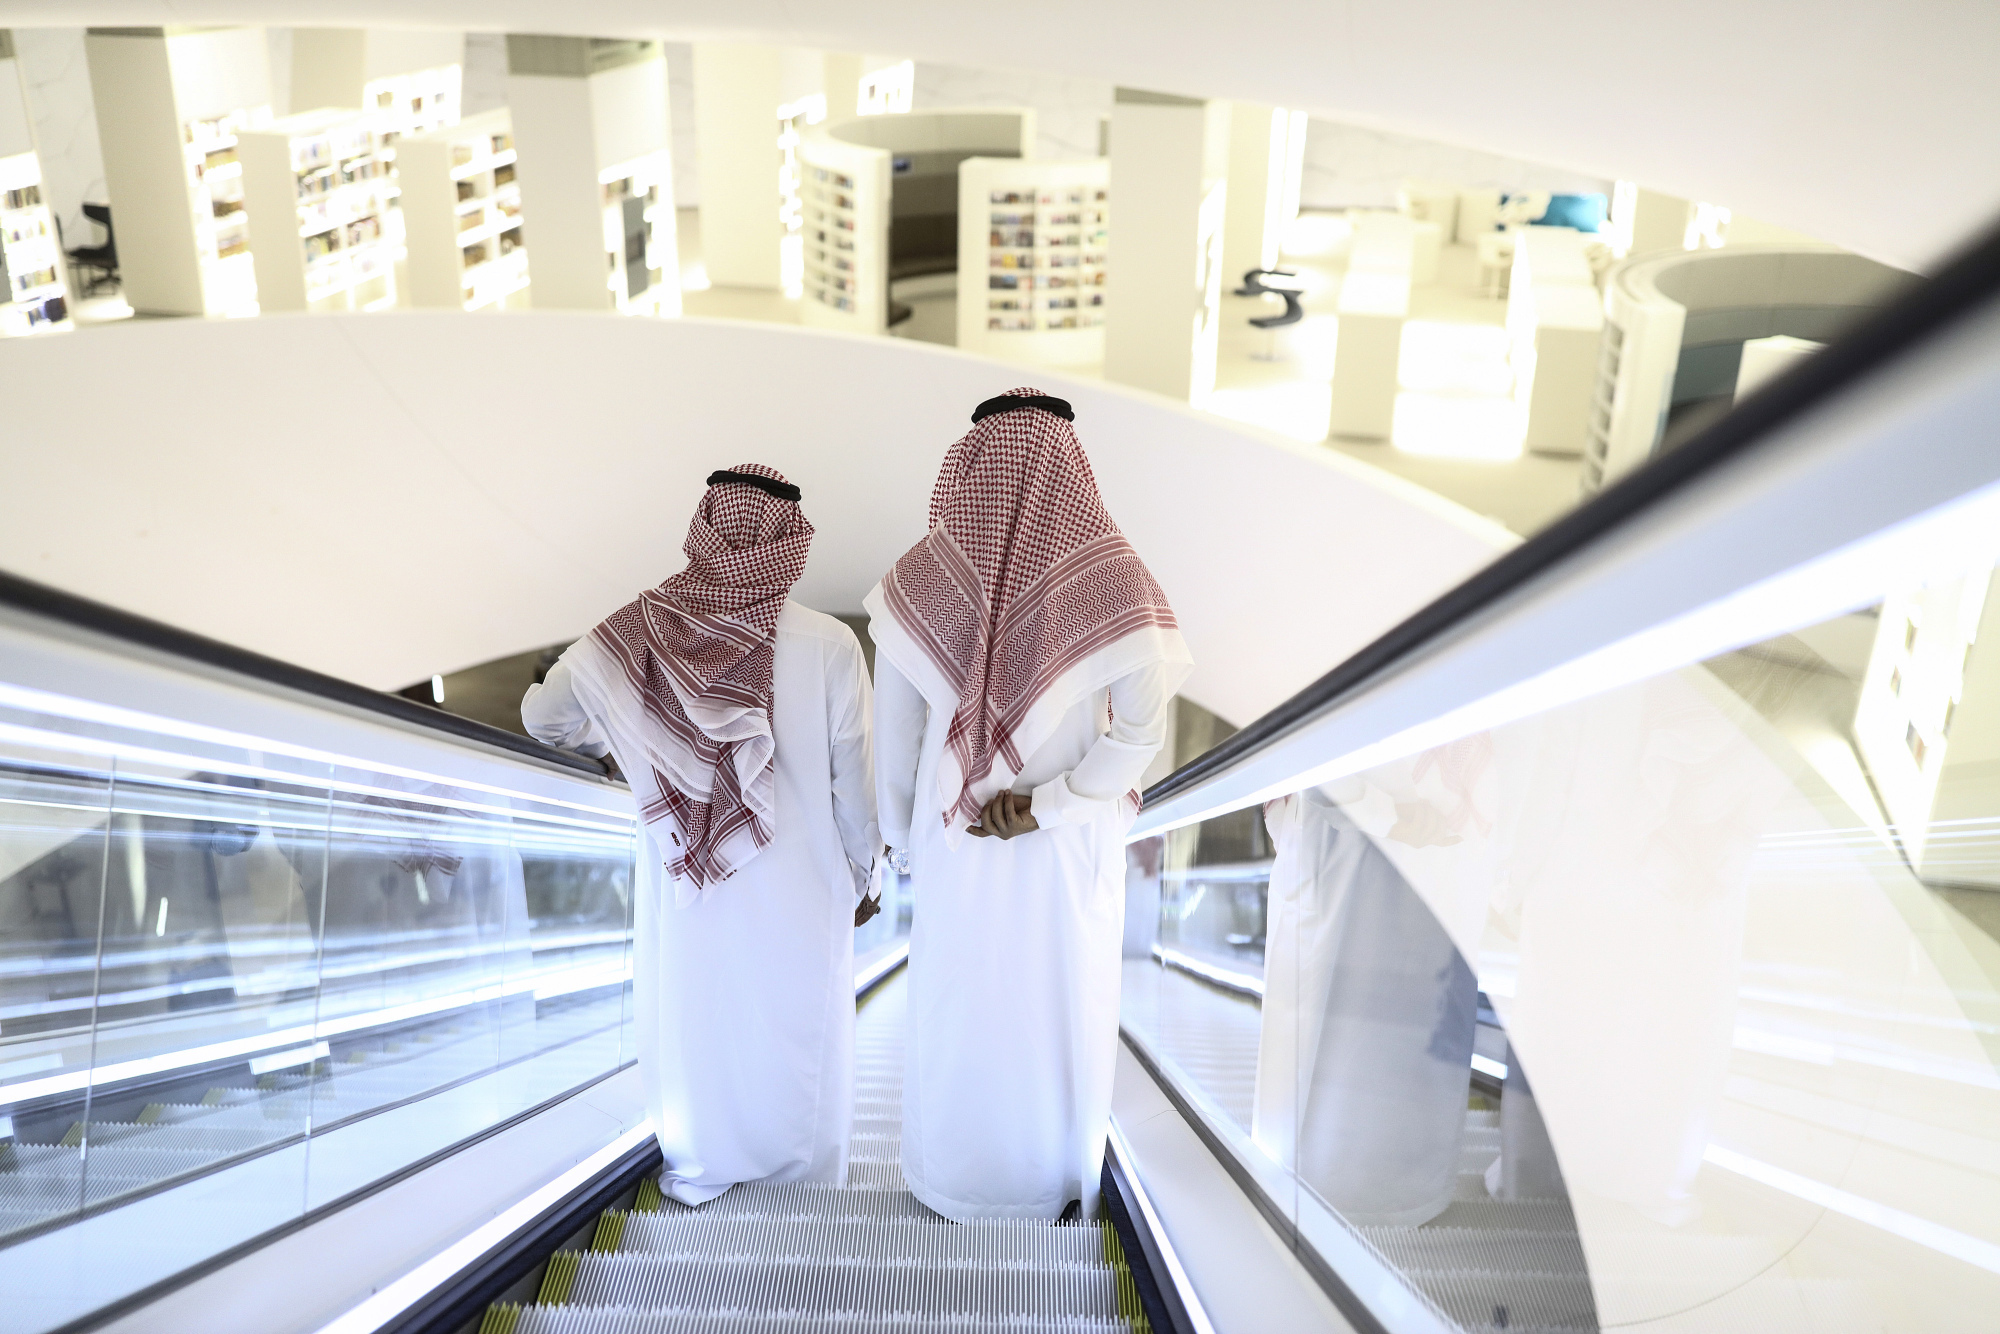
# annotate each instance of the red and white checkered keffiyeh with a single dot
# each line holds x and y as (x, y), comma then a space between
(689, 708)
(1022, 579)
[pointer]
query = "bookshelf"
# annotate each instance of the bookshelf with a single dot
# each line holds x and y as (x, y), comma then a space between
(317, 190)
(1034, 238)
(461, 207)
(33, 295)
(640, 239)
(844, 209)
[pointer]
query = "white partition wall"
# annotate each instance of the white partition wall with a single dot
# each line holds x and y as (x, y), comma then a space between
(34, 295)
(410, 78)
(169, 104)
(1033, 239)
(317, 189)
(844, 215)
(1555, 316)
(737, 90)
(461, 208)
(1169, 156)
(596, 172)
(1266, 154)
(1374, 301)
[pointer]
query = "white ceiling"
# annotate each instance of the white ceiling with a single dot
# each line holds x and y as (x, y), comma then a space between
(1872, 124)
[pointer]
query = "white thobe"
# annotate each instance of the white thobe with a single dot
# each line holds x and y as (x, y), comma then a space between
(745, 997)
(1014, 953)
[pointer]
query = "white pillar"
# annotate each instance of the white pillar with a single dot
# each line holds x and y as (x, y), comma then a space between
(166, 99)
(1659, 222)
(585, 109)
(737, 91)
(1258, 158)
(1168, 192)
(331, 67)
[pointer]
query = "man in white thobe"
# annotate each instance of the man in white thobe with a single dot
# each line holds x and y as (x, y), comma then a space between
(744, 952)
(1025, 661)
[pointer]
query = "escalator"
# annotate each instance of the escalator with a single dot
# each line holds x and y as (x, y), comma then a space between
(779, 1257)
(319, 1000)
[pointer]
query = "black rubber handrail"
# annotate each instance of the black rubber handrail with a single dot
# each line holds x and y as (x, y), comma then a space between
(69, 609)
(1967, 282)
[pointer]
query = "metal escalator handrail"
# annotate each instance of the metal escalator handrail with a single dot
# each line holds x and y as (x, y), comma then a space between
(97, 618)
(1968, 281)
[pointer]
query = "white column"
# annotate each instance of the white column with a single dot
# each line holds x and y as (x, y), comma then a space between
(1257, 162)
(1659, 222)
(1168, 161)
(737, 90)
(1374, 301)
(583, 107)
(150, 89)
(331, 66)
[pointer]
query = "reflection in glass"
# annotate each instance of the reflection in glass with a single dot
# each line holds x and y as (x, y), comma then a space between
(1364, 1058)
(1737, 920)
(209, 952)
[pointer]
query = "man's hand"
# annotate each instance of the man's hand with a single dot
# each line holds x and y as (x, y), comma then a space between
(864, 911)
(1004, 817)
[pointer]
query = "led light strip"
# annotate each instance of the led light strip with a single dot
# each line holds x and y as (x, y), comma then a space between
(1176, 1272)
(34, 701)
(286, 1037)
(412, 1287)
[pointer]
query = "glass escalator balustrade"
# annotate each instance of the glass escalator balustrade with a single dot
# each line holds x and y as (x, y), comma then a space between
(1741, 923)
(213, 948)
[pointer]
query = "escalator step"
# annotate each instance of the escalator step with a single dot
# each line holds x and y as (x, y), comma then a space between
(804, 1200)
(558, 1278)
(650, 1197)
(770, 1283)
(500, 1318)
(863, 1241)
(610, 1230)
(608, 1320)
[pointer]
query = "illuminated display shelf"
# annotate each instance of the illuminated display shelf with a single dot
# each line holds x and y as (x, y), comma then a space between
(830, 214)
(33, 296)
(639, 235)
(461, 207)
(1034, 238)
(317, 189)
(212, 148)
(844, 212)
(403, 106)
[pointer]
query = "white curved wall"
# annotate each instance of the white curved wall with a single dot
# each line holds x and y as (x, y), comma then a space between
(1874, 126)
(381, 497)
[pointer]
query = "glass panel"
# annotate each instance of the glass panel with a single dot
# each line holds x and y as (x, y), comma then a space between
(215, 948)
(1739, 923)
(1195, 953)
(53, 806)
(207, 954)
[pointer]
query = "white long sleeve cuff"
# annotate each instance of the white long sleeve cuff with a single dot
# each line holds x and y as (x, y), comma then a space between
(550, 711)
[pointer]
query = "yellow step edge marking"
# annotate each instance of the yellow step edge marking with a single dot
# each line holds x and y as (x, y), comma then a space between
(558, 1278)
(1130, 1309)
(73, 1137)
(610, 1230)
(500, 1318)
(151, 1114)
(650, 1199)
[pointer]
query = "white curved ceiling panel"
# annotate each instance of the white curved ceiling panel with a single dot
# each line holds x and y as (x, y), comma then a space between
(1873, 125)
(381, 497)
